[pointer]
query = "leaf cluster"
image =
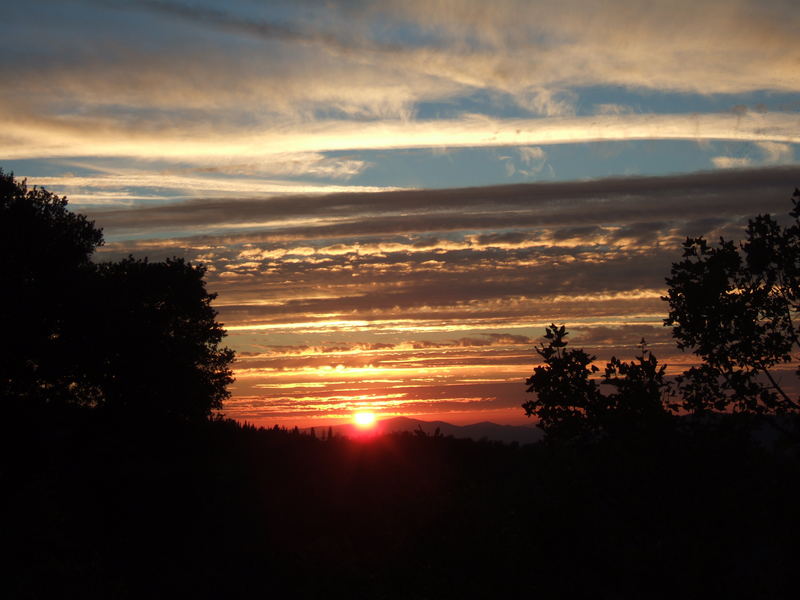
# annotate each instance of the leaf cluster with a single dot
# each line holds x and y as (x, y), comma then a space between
(735, 306)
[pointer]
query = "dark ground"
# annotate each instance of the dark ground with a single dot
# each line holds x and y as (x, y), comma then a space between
(104, 506)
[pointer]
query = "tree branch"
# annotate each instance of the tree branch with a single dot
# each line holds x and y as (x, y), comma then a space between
(778, 388)
(787, 304)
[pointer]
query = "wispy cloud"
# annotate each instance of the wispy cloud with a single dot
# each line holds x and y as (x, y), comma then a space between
(88, 137)
(776, 153)
(731, 162)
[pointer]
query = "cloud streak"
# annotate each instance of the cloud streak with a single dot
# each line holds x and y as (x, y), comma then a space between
(86, 137)
(570, 204)
(261, 139)
(329, 315)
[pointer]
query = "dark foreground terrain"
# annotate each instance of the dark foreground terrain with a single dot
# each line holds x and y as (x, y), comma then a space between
(101, 506)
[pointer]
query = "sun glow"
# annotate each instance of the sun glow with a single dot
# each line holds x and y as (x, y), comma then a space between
(364, 419)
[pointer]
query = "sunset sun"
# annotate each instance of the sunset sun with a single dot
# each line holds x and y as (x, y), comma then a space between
(364, 419)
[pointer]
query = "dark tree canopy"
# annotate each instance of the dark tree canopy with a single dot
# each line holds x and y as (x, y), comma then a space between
(569, 401)
(736, 307)
(131, 335)
(45, 255)
(159, 339)
(642, 393)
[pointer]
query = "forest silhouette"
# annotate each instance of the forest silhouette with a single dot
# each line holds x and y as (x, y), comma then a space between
(121, 480)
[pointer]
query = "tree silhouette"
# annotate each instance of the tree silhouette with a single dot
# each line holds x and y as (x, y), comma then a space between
(643, 395)
(158, 339)
(570, 404)
(127, 335)
(44, 265)
(735, 306)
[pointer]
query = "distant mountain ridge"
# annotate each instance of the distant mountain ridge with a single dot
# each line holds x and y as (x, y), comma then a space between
(522, 434)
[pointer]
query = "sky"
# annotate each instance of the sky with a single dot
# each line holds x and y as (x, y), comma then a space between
(393, 199)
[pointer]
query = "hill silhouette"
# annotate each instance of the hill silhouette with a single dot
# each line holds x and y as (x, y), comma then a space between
(520, 434)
